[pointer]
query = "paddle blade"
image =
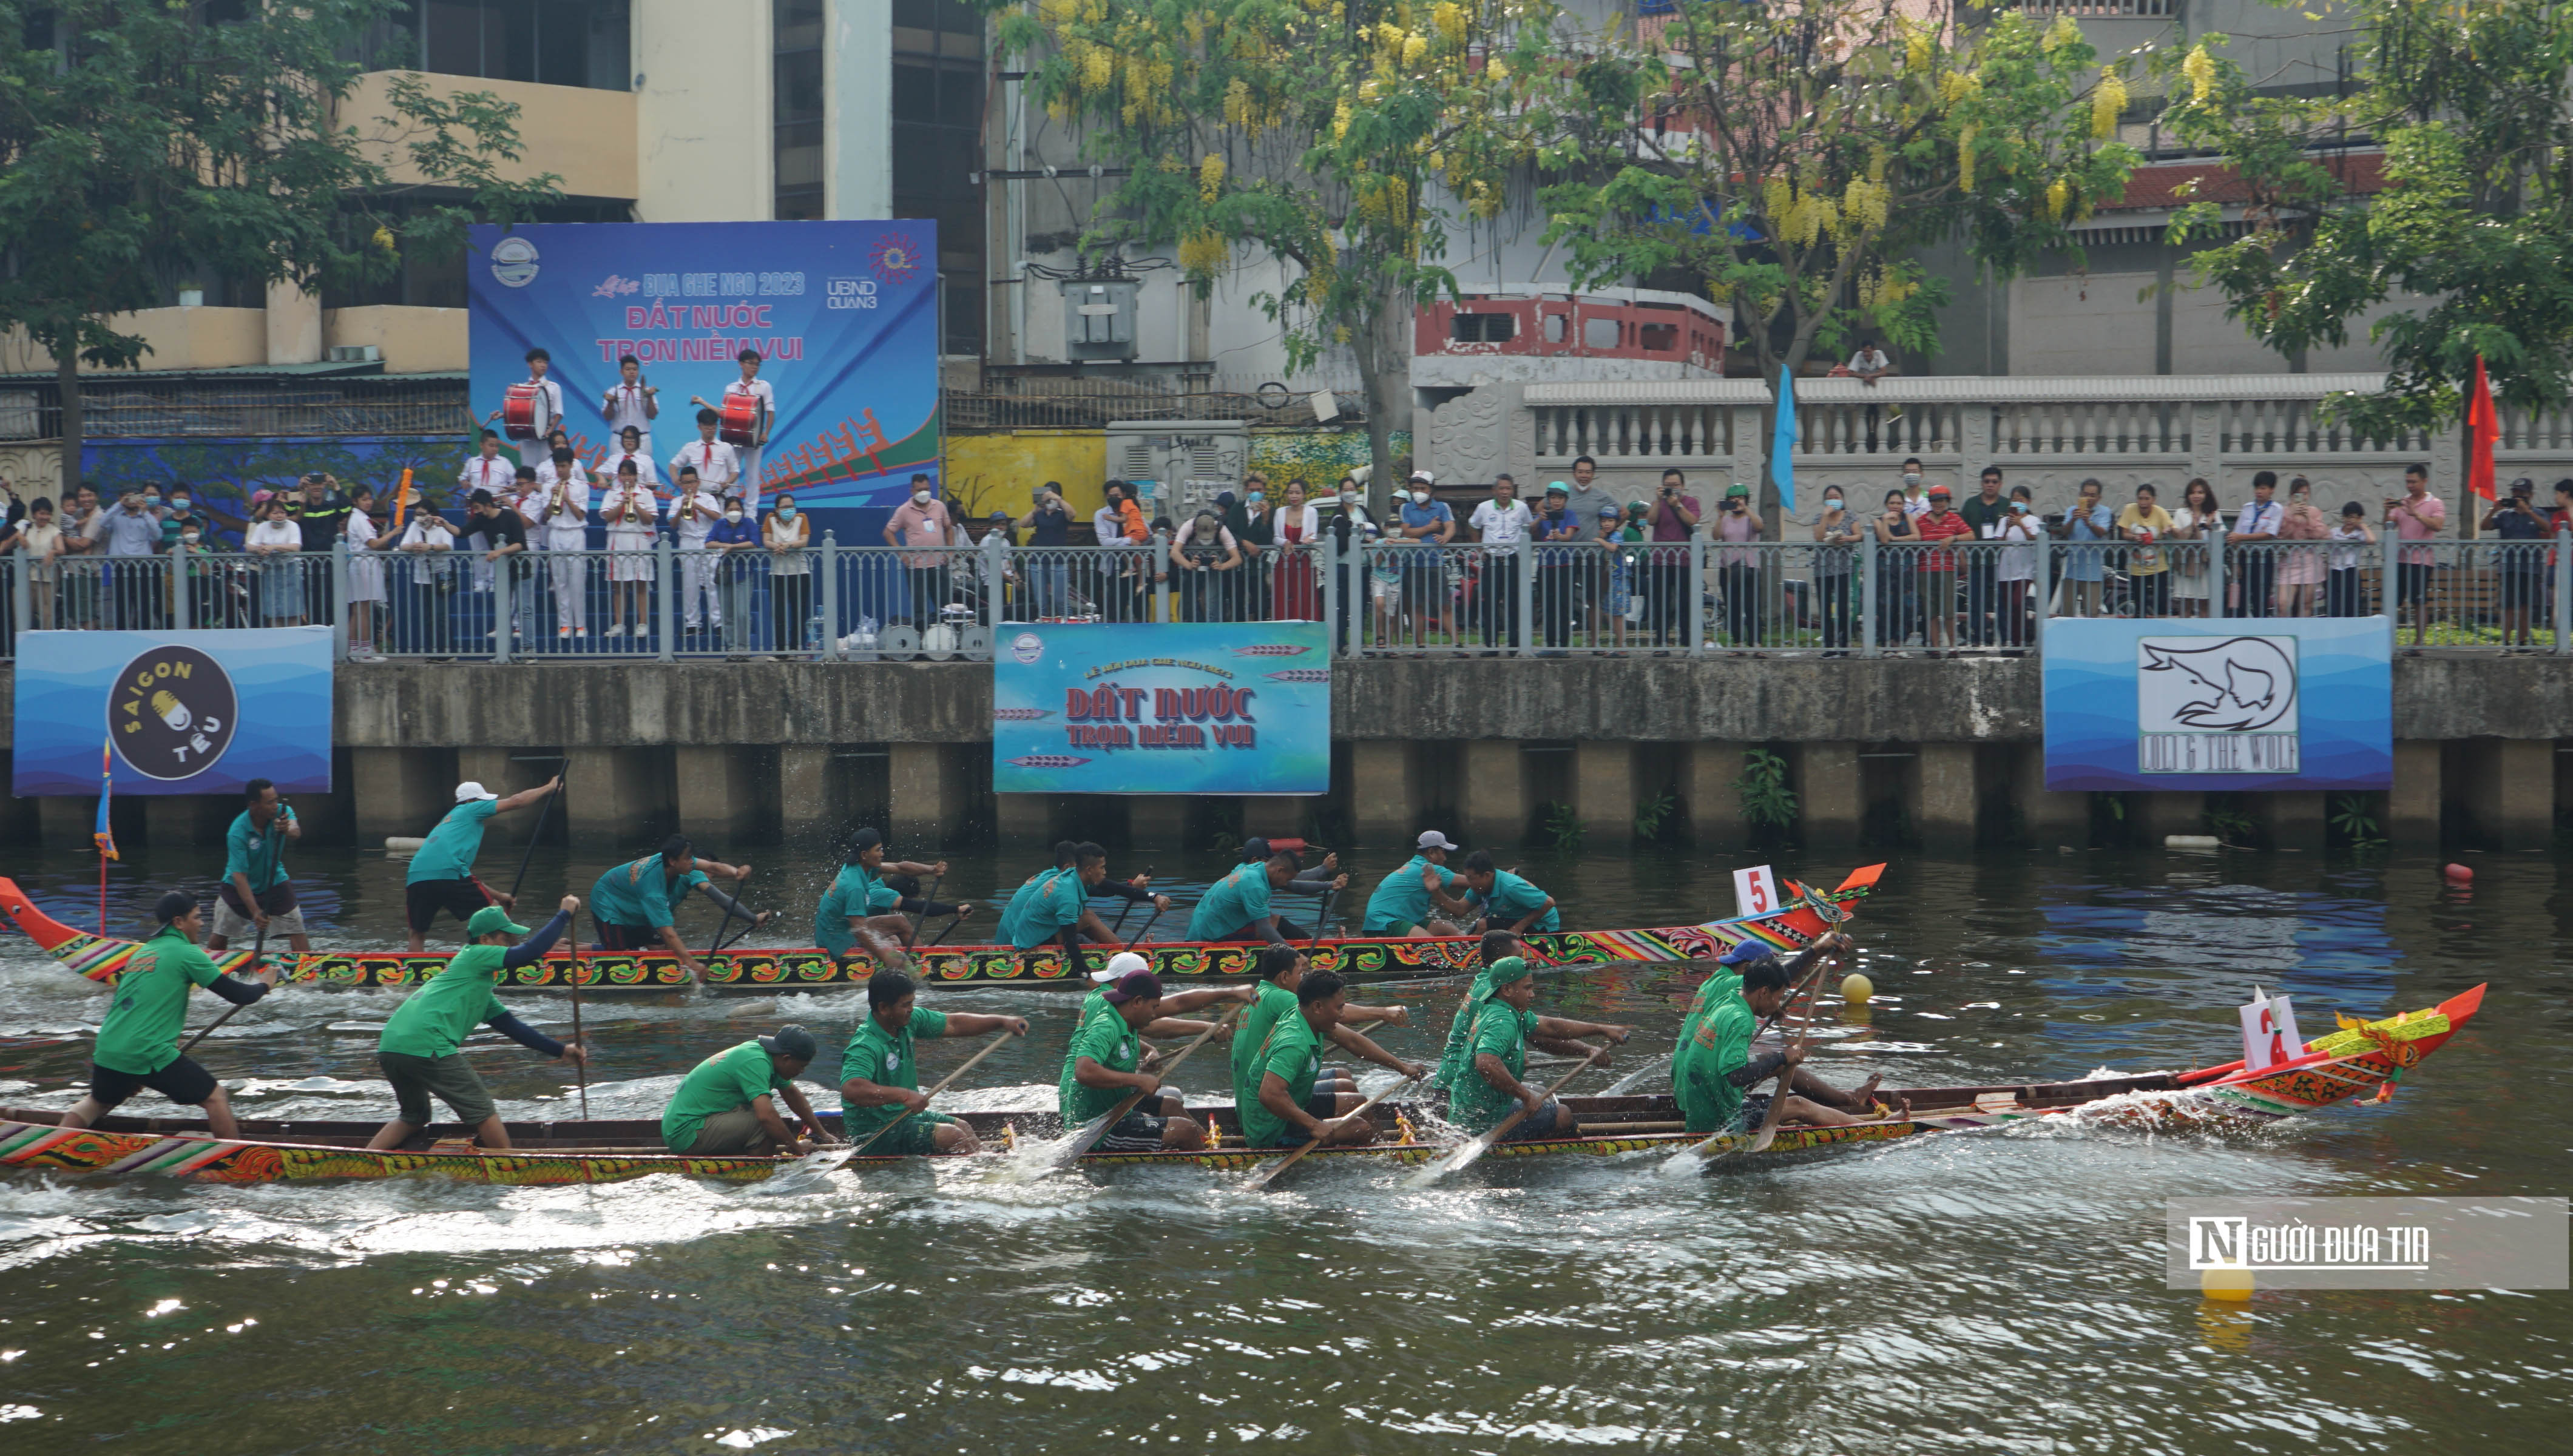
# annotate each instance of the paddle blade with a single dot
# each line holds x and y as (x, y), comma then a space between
(1259, 1176)
(1461, 1158)
(1636, 1076)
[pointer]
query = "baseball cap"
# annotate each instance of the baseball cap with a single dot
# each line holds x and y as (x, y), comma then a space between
(1937, 490)
(172, 905)
(1433, 839)
(1732, 490)
(1557, 488)
(472, 789)
(1746, 952)
(1133, 985)
(1120, 963)
(791, 1042)
(1610, 509)
(1423, 477)
(491, 920)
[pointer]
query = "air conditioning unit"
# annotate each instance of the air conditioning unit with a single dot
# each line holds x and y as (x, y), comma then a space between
(1184, 462)
(357, 353)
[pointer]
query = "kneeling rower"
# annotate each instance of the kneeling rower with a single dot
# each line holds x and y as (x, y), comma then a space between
(1714, 1066)
(879, 1082)
(1104, 1064)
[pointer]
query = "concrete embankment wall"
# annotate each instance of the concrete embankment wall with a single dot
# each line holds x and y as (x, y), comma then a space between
(1939, 753)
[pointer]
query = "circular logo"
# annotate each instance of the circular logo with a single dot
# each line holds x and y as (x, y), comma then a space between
(171, 713)
(893, 1061)
(514, 262)
(1027, 647)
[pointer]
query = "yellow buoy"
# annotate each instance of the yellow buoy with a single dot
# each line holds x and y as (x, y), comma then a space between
(2234, 1285)
(1856, 989)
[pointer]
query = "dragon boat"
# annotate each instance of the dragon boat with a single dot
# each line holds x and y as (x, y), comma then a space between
(761, 968)
(2362, 1059)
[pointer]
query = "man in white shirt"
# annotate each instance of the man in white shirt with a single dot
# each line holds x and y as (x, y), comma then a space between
(530, 451)
(632, 447)
(1870, 363)
(488, 470)
(562, 515)
(629, 404)
(2257, 568)
(751, 384)
(694, 512)
(1500, 524)
(718, 466)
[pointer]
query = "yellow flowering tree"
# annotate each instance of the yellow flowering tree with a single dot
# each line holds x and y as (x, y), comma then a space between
(1341, 138)
(1801, 158)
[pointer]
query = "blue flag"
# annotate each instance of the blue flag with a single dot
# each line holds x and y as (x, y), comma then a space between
(1782, 443)
(103, 836)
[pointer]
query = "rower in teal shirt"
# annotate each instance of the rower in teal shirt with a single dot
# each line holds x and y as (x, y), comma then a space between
(1508, 902)
(630, 903)
(1027, 893)
(1235, 907)
(1402, 904)
(440, 876)
(1058, 912)
(860, 911)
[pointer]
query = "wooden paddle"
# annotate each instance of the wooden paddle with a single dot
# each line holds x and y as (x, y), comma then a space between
(580, 1067)
(1272, 1168)
(1768, 1133)
(1480, 1145)
(1140, 930)
(1128, 908)
(258, 942)
(1097, 1127)
(1321, 918)
(1786, 1083)
(989, 1047)
(921, 918)
(542, 813)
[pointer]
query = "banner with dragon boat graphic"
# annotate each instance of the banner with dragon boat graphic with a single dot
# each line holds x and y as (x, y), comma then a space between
(1162, 709)
(2228, 704)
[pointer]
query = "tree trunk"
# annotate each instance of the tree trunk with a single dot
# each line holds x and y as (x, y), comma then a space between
(1382, 345)
(66, 346)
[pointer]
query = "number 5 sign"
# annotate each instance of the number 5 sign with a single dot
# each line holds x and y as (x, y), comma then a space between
(1755, 892)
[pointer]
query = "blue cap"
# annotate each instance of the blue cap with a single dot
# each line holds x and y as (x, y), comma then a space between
(1746, 952)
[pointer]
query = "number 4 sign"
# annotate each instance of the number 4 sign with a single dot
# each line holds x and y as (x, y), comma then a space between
(1755, 892)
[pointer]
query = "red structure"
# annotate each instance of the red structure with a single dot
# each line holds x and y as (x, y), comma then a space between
(1642, 325)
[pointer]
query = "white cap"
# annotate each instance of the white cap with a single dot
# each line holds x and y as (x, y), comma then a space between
(1423, 477)
(471, 789)
(1432, 839)
(1118, 965)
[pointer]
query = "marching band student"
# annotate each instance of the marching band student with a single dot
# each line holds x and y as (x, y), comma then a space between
(538, 362)
(487, 471)
(633, 514)
(565, 514)
(751, 384)
(694, 512)
(632, 448)
(718, 466)
(629, 403)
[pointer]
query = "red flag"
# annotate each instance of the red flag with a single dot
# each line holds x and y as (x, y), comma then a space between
(2483, 431)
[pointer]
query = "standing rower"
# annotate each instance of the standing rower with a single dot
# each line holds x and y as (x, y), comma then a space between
(255, 849)
(862, 913)
(1402, 901)
(1714, 1068)
(1235, 907)
(1479, 1094)
(1099, 1069)
(420, 1049)
(1059, 911)
(138, 1038)
(1283, 968)
(880, 1083)
(1286, 1110)
(1507, 901)
(630, 903)
(440, 876)
(723, 1109)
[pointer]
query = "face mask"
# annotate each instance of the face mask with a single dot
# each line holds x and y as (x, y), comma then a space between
(188, 536)
(732, 515)
(2018, 506)
(785, 513)
(150, 497)
(1258, 498)
(177, 503)
(1348, 498)
(1420, 497)
(1833, 502)
(920, 497)
(1911, 480)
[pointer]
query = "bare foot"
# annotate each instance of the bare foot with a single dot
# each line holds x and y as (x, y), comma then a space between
(1864, 1097)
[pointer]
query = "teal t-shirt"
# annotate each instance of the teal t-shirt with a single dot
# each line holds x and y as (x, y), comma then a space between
(247, 851)
(140, 1033)
(1514, 897)
(1293, 1051)
(853, 892)
(448, 853)
(635, 894)
(1400, 897)
(885, 1058)
(1037, 883)
(1231, 903)
(729, 1079)
(1047, 912)
(435, 1020)
(1104, 1038)
(1473, 1103)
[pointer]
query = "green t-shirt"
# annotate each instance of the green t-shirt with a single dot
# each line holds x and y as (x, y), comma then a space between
(1010, 912)
(883, 1057)
(448, 853)
(1473, 1103)
(853, 892)
(1402, 896)
(1719, 1044)
(1293, 1051)
(1252, 1032)
(1050, 910)
(1104, 1038)
(729, 1079)
(1514, 897)
(1451, 1056)
(247, 851)
(139, 1032)
(1231, 903)
(435, 1020)
(636, 893)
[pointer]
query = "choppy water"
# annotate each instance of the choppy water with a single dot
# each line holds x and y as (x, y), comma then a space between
(1999, 1291)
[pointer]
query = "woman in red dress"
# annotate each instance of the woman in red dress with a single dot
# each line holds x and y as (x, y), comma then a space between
(1298, 529)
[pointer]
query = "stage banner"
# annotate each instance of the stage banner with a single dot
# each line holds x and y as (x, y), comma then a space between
(183, 712)
(1162, 709)
(845, 315)
(2237, 704)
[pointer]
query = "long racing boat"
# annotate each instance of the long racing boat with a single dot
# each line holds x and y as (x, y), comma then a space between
(761, 968)
(2362, 1059)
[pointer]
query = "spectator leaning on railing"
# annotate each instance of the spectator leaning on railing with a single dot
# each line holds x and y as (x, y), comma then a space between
(788, 533)
(133, 583)
(2255, 575)
(2343, 593)
(2147, 527)
(1500, 524)
(40, 543)
(2416, 515)
(1985, 511)
(320, 514)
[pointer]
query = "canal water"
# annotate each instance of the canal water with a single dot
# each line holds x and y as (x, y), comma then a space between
(1968, 1293)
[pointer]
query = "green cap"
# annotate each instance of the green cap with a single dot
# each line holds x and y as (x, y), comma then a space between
(1507, 970)
(491, 920)
(1736, 490)
(1636, 507)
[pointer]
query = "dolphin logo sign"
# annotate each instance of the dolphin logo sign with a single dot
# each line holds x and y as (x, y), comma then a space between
(2238, 685)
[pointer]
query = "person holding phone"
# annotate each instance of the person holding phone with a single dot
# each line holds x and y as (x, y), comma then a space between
(1668, 592)
(2521, 563)
(2416, 515)
(1048, 577)
(1896, 587)
(1837, 531)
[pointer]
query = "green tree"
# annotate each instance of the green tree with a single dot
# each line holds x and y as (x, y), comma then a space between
(2473, 106)
(1341, 138)
(1804, 155)
(144, 142)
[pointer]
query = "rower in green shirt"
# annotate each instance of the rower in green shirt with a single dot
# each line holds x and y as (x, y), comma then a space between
(1402, 901)
(1481, 1093)
(862, 913)
(440, 876)
(1235, 907)
(1286, 1110)
(1059, 910)
(1507, 902)
(1282, 969)
(879, 1081)
(1497, 946)
(1714, 1068)
(631, 904)
(422, 1047)
(138, 1038)
(1102, 1066)
(724, 1106)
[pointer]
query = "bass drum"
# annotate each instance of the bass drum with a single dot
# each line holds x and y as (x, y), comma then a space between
(527, 412)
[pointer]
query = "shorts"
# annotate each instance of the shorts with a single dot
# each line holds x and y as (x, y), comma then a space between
(1748, 1116)
(912, 1136)
(1395, 928)
(1554, 1120)
(1323, 1105)
(454, 1083)
(285, 918)
(1135, 1133)
(628, 938)
(736, 1132)
(2411, 581)
(182, 1082)
(2522, 586)
(423, 898)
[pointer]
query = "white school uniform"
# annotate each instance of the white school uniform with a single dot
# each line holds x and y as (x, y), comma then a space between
(750, 454)
(536, 451)
(630, 538)
(567, 535)
(624, 406)
(696, 564)
(605, 476)
(498, 474)
(718, 466)
(365, 567)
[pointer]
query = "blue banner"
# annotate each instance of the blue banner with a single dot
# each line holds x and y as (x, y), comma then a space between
(845, 314)
(2273, 703)
(182, 712)
(1163, 708)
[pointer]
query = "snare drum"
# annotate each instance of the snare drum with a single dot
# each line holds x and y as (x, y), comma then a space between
(737, 423)
(527, 412)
